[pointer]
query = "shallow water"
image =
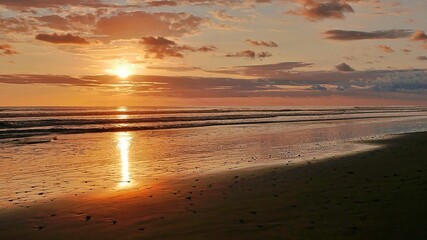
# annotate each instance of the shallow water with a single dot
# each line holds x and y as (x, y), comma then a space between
(39, 169)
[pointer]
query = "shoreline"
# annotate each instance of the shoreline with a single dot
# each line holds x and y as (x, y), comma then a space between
(10, 136)
(378, 194)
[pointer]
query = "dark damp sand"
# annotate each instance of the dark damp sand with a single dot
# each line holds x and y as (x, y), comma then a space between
(381, 194)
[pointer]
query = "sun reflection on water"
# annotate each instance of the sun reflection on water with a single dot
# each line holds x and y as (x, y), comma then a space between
(123, 116)
(122, 110)
(123, 144)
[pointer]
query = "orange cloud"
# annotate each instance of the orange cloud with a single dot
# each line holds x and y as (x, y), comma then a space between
(249, 54)
(69, 22)
(43, 79)
(62, 38)
(25, 4)
(6, 49)
(228, 3)
(385, 48)
(406, 50)
(160, 47)
(223, 16)
(375, 84)
(315, 10)
(136, 24)
(261, 43)
(344, 35)
(16, 25)
(419, 36)
(344, 67)
(161, 3)
(276, 70)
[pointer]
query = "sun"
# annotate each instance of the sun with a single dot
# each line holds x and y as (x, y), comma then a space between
(123, 71)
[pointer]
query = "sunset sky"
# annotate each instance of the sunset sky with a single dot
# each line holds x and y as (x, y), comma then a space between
(213, 52)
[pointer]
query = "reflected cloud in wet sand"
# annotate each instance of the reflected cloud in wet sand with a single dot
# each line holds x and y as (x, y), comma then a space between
(123, 143)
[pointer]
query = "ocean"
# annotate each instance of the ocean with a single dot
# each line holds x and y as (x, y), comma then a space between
(24, 122)
(52, 152)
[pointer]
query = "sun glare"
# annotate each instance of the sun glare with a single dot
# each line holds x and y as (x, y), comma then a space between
(123, 71)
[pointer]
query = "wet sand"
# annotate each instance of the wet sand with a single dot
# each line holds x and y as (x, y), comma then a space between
(380, 194)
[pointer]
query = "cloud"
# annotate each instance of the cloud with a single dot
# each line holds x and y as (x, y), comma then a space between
(193, 87)
(35, 22)
(286, 74)
(43, 3)
(16, 25)
(390, 84)
(249, 54)
(76, 22)
(157, 41)
(25, 4)
(127, 25)
(54, 21)
(246, 53)
(6, 49)
(227, 3)
(385, 48)
(45, 79)
(343, 87)
(419, 36)
(344, 35)
(160, 47)
(414, 80)
(264, 54)
(261, 43)
(207, 48)
(62, 38)
(315, 10)
(174, 69)
(344, 67)
(406, 50)
(161, 3)
(422, 58)
(202, 87)
(317, 87)
(263, 71)
(223, 16)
